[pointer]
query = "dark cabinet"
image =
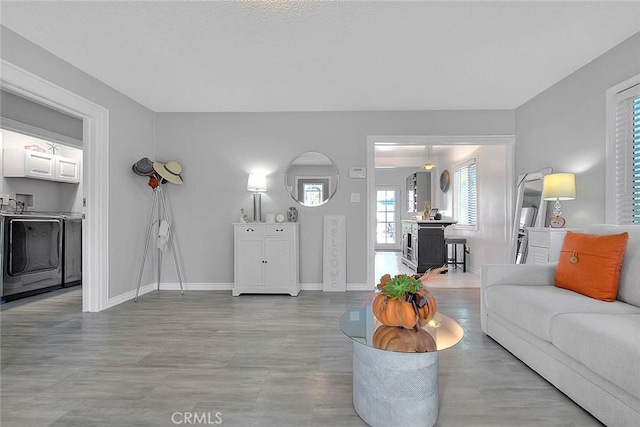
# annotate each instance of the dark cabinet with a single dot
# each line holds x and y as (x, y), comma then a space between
(431, 248)
(423, 245)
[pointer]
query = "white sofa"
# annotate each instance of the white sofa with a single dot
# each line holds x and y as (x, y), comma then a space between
(587, 348)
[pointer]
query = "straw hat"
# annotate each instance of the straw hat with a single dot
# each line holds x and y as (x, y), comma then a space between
(143, 167)
(170, 171)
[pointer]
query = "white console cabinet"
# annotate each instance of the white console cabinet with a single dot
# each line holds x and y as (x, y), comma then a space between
(22, 163)
(266, 258)
(545, 244)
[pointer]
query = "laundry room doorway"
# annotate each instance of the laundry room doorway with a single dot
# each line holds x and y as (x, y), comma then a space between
(95, 236)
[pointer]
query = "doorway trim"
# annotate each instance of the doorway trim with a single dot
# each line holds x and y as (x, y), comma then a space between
(506, 140)
(95, 236)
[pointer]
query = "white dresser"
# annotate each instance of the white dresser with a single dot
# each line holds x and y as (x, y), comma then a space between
(266, 258)
(545, 244)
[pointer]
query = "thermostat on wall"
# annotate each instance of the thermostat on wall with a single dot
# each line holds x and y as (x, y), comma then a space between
(357, 172)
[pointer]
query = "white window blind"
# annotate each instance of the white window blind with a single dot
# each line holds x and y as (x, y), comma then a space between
(465, 195)
(626, 151)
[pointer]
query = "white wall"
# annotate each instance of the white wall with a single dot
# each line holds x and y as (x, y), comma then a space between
(490, 242)
(131, 130)
(25, 111)
(219, 150)
(564, 128)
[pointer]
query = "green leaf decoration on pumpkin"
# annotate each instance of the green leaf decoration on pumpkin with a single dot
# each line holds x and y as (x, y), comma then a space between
(400, 286)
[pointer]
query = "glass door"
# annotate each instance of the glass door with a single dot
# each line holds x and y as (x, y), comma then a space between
(387, 218)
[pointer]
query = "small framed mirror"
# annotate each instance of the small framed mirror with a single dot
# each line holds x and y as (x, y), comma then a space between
(312, 179)
(530, 211)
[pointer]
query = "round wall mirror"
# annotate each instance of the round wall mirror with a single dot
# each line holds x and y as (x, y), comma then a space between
(311, 179)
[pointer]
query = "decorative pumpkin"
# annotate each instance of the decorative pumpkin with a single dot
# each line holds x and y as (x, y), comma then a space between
(394, 338)
(403, 300)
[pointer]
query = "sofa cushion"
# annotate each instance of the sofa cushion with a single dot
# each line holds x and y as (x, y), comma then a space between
(533, 307)
(629, 287)
(590, 264)
(608, 344)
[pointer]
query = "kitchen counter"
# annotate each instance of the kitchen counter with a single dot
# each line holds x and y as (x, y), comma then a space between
(69, 215)
(431, 221)
(423, 246)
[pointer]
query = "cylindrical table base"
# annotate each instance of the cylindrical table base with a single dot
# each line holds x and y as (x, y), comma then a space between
(395, 389)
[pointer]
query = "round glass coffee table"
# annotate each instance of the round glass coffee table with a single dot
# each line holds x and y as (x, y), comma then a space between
(396, 387)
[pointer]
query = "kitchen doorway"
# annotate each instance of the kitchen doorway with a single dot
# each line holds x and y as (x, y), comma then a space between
(95, 238)
(498, 161)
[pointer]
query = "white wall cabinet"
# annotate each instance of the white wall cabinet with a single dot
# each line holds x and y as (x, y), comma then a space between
(266, 258)
(67, 170)
(545, 244)
(22, 163)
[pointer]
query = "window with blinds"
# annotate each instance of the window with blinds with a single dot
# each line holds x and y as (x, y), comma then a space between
(625, 164)
(465, 195)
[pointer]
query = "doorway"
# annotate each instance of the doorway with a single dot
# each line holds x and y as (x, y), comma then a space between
(388, 215)
(95, 238)
(419, 149)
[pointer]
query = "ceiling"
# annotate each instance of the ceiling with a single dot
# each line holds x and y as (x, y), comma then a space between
(325, 56)
(391, 155)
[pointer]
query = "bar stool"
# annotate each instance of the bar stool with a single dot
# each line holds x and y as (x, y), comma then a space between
(455, 241)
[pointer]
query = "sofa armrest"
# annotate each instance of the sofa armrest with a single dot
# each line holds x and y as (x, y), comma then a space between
(517, 274)
(512, 274)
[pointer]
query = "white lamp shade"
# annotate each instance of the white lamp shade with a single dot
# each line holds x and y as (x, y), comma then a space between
(559, 186)
(257, 182)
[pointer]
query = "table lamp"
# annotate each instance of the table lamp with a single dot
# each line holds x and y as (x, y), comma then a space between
(558, 186)
(258, 184)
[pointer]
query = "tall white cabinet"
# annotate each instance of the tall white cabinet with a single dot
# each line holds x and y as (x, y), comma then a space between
(266, 258)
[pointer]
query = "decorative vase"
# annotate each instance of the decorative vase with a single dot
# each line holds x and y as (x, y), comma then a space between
(426, 210)
(292, 214)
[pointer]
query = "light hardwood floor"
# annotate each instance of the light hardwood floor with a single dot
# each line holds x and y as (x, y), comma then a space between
(257, 360)
(391, 262)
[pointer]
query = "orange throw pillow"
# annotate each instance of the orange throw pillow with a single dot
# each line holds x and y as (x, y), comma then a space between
(590, 264)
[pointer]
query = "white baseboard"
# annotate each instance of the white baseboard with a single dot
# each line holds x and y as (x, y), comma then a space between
(360, 287)
(197, 286)
(350, 287)
(130, 295)
(310, 286)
